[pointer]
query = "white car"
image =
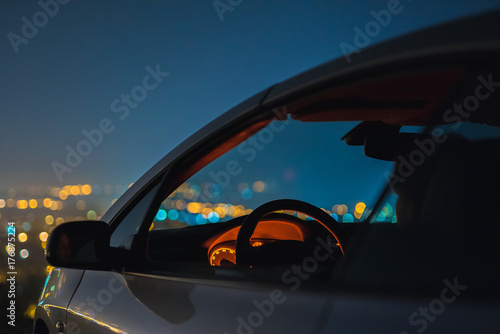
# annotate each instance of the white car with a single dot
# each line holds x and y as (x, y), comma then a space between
(265, 221)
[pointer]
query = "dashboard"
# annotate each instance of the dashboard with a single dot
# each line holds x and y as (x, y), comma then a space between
(277, 235)
(222, 246)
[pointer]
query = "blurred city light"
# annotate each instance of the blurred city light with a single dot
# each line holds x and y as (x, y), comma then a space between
(47, 202)
(86, 189)
(360, 207)
(213, 217)
(43, 236)
(63, 194)
(161, 215)
(24, 253)
(49, 220)
(347, 218)
(259, 186)
(91, 214)
(74, 190)
(22, 204)
(173, 214)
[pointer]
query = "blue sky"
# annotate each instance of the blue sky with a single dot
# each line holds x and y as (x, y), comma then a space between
(65, 78)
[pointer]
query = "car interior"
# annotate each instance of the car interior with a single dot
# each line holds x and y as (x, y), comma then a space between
(445, 203)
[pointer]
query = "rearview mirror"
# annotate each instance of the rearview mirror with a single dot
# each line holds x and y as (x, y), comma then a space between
(79, 245)
(389, 146)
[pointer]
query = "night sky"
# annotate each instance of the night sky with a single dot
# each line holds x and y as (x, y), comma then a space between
(70, 75)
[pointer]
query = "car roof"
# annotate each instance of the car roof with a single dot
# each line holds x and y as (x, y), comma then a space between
(463, 36)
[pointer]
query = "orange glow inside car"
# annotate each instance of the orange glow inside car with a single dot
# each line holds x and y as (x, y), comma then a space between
(222, 248)
(270, 229)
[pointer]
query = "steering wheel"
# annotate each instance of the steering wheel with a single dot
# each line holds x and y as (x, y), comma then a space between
(246, 253)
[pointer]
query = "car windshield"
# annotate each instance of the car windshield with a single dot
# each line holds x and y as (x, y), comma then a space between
(307, 161)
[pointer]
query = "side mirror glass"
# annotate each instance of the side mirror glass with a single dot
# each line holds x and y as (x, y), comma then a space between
(79, 245)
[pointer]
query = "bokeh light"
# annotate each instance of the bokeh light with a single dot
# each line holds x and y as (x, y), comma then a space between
(259, 186)
(43, 236)
(23, 253)
(63, 194)
(221, 211)
(200, 219)
(86, 189)
(213, 217)
(347, 218)
(246, 194)
(22, 204)
(194, 207)
(91, 214)
(206, 212)
(173, 214)
(360, 207)
(49, 220)
(161, 215)
(74, 190)
(180, 204)
(47, 202)
(22, 237)
(340, 209)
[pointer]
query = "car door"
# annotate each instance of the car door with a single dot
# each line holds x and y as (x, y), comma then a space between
(56, 295)
(153, 297)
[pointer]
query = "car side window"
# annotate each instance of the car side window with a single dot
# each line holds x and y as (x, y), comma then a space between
(299, 160)
(123, 235)
(304, 161)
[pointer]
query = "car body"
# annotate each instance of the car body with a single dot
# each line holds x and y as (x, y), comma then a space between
(192, 247)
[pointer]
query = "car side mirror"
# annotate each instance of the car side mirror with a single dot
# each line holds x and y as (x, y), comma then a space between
(80, 245)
